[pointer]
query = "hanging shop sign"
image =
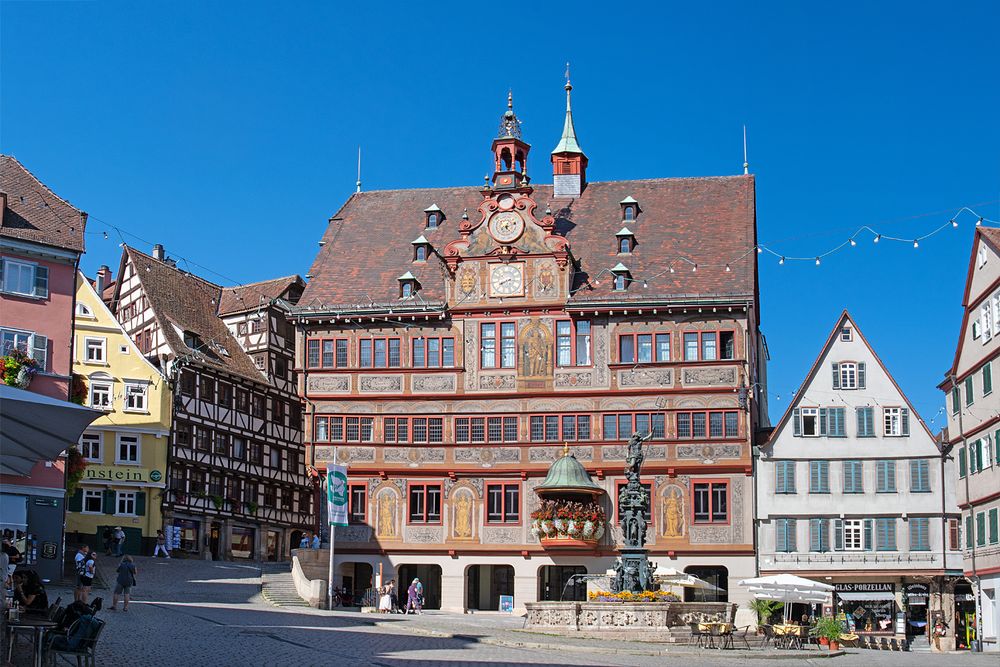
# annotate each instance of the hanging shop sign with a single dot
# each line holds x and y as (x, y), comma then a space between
(878, 587)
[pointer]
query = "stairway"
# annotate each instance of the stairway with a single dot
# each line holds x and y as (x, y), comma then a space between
(278, 588)
(920, 644)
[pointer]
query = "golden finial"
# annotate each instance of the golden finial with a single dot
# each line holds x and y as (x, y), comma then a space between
(565, 449)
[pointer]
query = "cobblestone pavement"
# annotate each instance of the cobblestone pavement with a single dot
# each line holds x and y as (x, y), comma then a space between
(194, 613)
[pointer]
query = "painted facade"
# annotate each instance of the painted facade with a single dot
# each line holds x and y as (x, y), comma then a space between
(41, 239)
(974, 432)
(126, 449)
(853, 490)
(487, 327)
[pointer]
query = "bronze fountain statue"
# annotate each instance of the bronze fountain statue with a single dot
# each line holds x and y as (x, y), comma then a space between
(633, 572)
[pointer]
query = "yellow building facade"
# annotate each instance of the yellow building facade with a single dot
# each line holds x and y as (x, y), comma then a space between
(126, 449)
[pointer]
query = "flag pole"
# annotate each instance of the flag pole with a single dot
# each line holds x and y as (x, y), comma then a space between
(330, 530)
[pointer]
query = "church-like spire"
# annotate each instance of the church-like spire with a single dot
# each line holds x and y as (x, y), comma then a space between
(568, 142)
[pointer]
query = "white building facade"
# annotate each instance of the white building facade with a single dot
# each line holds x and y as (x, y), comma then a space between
(974, 434)
(853, 491)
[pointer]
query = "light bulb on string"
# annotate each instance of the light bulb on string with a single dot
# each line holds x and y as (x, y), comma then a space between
(817, 261)
(916, 244)
(759, 250)
(877, 237)
(694, 268)
(728, 269)
(979, 222)
(781, 261)
(954, 223)
(671, 269)
(853, 243)
(645, 284)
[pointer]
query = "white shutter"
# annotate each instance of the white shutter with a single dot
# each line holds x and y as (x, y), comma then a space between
(40, 350)
(41, 281)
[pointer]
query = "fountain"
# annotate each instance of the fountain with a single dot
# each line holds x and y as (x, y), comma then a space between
(634, 606)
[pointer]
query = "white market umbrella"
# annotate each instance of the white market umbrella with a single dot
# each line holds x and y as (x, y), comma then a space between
(37, 428)
(788, 588)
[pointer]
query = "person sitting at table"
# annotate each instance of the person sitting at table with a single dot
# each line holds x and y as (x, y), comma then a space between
(29, 592)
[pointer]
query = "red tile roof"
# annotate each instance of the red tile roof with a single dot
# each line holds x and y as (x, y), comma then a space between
(707, 221)
(252, 295)
(186, 302)
(35, 213)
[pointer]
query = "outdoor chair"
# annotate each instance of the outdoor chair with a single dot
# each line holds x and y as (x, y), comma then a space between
(697, 636)
(86, 652)
(739, 634)
(883, 644)
(769, 638)
(717, 631)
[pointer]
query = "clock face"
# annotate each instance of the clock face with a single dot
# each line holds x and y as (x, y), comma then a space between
(507, 280)
(506, 226)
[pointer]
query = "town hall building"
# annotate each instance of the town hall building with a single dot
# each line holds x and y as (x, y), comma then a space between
(455, 342)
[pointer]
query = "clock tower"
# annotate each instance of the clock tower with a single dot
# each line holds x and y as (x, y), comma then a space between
(510, 153)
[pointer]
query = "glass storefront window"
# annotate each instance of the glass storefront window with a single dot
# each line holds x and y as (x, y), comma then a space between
(188, 534)
(242, 542)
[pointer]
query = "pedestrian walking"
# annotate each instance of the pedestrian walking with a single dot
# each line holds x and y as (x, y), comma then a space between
(161, 545)
(80, 565)
(87, 578)
(420, 596)
(119, 538)
(304, 542)
(124, 582)
(413, 597)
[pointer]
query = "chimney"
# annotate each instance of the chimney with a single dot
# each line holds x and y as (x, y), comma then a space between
(158, 252)
(103, 279)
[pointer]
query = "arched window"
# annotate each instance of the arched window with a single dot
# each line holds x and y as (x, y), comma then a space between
(432, 220)
(506, 161)
(420, 253)
(625, 245)
(620, 282)
(630, 213)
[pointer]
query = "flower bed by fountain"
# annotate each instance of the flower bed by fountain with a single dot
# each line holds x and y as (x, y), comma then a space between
(565, 523)
(663, 621)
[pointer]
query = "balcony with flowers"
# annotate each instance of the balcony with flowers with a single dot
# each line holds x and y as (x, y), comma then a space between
(570, 515)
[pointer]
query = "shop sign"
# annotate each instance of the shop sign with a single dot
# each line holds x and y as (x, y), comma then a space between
(94, 473)
(46, 502)
(49, 550)
(865, 588)
(916, 591)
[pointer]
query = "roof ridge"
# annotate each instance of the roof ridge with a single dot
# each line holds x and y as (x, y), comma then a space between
(174, 268)
(42, 183)
(291, 278)
(637, 180)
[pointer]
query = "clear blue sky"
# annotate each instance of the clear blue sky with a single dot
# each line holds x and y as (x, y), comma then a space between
(229, 131)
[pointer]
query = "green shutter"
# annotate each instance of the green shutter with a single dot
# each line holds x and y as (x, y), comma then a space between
(109, 502)
(823, 421)
(836, 376)
(140, 503)
(781, 535)
(75, 503)
(987, 379)
(796, 422)
(979, 455)
(961, 462)
(861, 375)
(869, 534)
(968, 391)
(956, 401)
(994, 538)
(968, 532)
(838, 534)
(981, 529)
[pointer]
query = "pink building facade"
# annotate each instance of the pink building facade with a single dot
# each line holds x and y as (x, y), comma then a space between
(41, 240)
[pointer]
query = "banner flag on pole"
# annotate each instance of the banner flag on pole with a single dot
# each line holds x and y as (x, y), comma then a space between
(336, 494)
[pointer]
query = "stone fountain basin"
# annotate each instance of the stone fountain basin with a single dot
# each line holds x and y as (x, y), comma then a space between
(643, 621)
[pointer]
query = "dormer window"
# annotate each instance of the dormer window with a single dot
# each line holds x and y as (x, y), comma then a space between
(408, 285)
(626, 241)
(622, 277)
(630, 209)
(421, 249)
(434, 216)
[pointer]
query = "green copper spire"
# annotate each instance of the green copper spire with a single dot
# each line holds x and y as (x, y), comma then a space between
(568, 142)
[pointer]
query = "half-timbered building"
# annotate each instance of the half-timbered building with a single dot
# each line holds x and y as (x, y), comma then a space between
(237, 486)
(481, 328)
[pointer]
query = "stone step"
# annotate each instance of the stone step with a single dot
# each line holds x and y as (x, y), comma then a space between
(278, 588)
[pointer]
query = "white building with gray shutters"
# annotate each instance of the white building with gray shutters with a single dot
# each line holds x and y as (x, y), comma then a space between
(853, 490)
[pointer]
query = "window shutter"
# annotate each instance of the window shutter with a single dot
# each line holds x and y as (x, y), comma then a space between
(41, 281)
(823, 421)
(972, 457)
(881, 472)
(861, 375)
(814, 539)
(40, 350)
(140, 503)
(791, 534)
(860, 417)
(836, 376)
(904, 416)
(838, 534)
(109, 502)
(75, 503)
(868, 534)
(979, 455)
(968, 532)
(814, 476)
(780, 536)
(914, 475)
(961, 462)
(796, 422)
(824, 476)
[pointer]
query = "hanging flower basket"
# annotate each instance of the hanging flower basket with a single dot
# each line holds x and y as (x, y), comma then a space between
(563, 523)
(18, 369)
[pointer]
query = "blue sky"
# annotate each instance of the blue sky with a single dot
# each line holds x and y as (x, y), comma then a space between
(230, 135)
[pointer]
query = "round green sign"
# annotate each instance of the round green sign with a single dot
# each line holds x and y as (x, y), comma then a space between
(155, 475)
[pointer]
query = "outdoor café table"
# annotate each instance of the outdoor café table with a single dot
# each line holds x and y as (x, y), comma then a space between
(38, 626)
(717, 629)
(791, 635)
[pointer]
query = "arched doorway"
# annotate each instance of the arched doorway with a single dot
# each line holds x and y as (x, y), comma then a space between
(554, 583)
(430, 577)
(484, 584)
(713, 574)
(356, 578)
(294, 540)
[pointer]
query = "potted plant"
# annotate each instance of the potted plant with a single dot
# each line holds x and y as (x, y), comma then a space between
(764, 609)
(830, 629)
(17, 369)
